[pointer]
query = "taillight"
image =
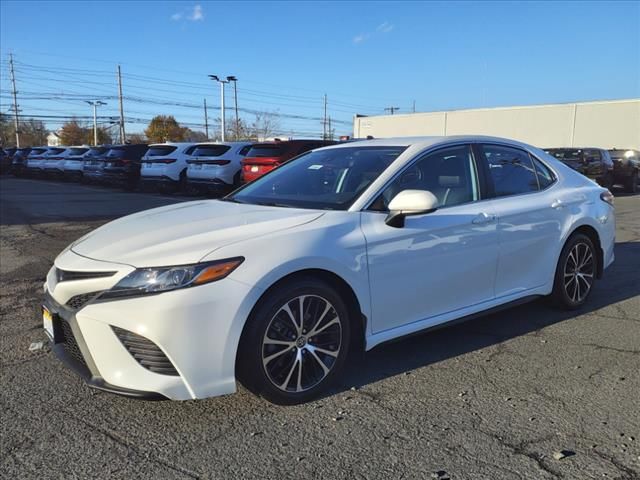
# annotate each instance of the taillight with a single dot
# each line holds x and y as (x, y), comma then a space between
(162, 160)
(607, 197)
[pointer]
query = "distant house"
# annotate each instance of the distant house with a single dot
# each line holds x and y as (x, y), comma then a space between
(53, 139)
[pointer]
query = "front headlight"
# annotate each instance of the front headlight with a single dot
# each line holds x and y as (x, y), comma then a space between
(163, 279)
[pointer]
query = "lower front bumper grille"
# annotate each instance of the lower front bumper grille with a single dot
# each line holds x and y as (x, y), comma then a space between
(145, 352)
(68, 340)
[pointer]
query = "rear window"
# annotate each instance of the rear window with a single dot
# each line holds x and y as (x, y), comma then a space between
(96, 151)
(116, 153)
(266, 151)
(566, 154)
(210, 150)
(77, 151)
(160, 151)
(38, 151)
(56, 151)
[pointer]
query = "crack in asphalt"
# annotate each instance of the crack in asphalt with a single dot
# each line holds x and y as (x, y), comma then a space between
(605, 347)
(628, 473)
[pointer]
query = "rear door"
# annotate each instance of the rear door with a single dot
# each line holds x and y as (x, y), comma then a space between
(530, 214)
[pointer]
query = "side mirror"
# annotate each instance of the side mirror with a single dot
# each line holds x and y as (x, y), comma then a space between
(410, 202)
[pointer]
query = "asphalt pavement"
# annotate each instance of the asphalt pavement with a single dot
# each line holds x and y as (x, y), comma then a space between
(530, 392)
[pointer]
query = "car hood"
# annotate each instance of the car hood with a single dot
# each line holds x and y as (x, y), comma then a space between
(185, 233)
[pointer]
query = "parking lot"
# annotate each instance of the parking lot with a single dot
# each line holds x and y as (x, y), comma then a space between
(500, 396)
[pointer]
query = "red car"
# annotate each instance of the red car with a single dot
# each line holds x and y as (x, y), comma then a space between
(264, 157)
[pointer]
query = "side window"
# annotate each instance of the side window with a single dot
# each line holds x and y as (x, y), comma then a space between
(244, 150)
(450, 174)
(545, 176)
(511, 170)
(592, 156)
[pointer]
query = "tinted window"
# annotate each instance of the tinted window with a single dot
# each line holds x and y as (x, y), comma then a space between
(592, 156)
(37, 151)
(210, 150)
(330, 179)
(545, 176)
(564, 154)
(268, 150)
(449, 174)
(96, 151)
(160, 151)
(77, 151)
(244, 150)
(55, 151)
(116, 153)
(511, 170)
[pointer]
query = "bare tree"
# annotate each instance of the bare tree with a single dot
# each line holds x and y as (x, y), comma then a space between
(265, 125)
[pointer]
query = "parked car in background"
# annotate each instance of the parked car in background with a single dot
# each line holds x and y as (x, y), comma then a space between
(594, 163)
(36, 159)
(164, 165)
(350, 245)
(626, 168)
(215, 167)
(6, 156)
(93, 168)
(54, 164)
(266, 156)
(19, 161)
(122, 165)
(74, 161)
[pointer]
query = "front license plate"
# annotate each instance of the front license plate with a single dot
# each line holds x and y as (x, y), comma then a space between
(47, 321)
(255, 168)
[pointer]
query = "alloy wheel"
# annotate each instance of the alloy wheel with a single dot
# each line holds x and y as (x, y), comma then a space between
(301, 343)
(579, 272)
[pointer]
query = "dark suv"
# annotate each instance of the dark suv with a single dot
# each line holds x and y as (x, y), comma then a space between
(122, 165)
(594, 163)
(264, 157)
(626, 168)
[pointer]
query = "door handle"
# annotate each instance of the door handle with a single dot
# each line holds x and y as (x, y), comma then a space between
(483, 218)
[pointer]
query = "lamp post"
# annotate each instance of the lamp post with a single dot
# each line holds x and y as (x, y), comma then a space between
(222, 116)
(235, 101)
(95, 106)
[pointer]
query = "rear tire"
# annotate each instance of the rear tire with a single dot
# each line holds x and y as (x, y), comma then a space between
(288, 361)
(575, 273)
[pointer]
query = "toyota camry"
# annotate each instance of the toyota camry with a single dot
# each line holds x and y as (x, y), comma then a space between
(344, 247)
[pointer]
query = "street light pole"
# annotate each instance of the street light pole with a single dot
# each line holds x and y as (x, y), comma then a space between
(235, 98)
(222, 116)
(95, 106)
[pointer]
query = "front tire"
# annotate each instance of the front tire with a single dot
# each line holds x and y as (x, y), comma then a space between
(295, 342)
(575, 273)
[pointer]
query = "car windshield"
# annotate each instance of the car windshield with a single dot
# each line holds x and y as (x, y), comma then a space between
(330, 179)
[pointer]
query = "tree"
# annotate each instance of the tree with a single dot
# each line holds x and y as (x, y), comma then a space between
(32, 132)
(104, 136)
(194, 136)
(265, 125)
(72, 133)
(165, 128)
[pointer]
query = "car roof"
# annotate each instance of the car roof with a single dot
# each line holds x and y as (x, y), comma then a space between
(425, 142)
(173, 144)
(230, 144)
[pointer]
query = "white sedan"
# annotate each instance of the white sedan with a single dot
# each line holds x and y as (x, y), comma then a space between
(345, 247)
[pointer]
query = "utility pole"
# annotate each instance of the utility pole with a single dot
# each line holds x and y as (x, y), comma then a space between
(414, 106)
(235, 99)
(324, 121)
(123, 138)
(392, 109)
(330, 131)
(222, 119)
(206, 120)
(95, 106)
(15, 102)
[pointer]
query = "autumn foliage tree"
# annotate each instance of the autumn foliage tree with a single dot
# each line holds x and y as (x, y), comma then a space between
(165, 128)
(72, 133)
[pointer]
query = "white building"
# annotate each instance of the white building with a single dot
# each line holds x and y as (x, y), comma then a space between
(53, 139)
(604, 124)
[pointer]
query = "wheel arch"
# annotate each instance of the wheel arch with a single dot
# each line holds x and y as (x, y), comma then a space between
(594, 236)
(345, 290)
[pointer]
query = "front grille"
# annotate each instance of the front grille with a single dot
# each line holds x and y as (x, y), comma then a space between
(68, 275)
(69, 342)
(78, 301)
(146, 353)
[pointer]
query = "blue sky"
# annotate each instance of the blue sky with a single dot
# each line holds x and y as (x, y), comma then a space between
(364, 55)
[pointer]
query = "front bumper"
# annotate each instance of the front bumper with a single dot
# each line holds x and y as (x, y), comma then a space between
(197, 329)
